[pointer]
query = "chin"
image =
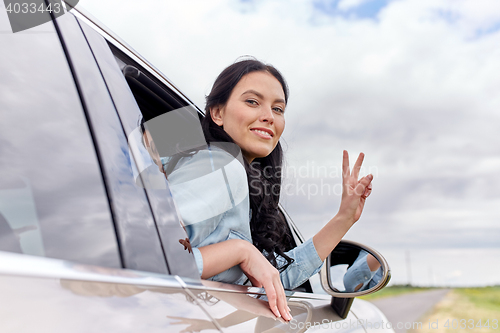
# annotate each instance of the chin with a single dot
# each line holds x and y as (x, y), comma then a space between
(258, 151)
(262, 153)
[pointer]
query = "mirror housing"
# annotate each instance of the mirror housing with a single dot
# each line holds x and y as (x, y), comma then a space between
(348, 254)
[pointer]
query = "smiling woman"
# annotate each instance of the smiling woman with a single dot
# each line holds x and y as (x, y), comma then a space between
(228, 193)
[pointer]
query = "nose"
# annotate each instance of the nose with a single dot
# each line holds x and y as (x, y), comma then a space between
(267, 115)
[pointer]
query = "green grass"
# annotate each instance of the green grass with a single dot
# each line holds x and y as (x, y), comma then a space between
(394, 290)
(479, 306)
(487, 297)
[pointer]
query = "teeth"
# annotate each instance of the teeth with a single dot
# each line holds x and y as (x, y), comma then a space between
(265, 133)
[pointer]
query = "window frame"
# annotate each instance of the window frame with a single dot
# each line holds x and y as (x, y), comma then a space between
(166, 220)
(138, 239)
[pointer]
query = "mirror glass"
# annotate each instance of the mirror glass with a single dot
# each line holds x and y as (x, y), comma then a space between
(353, 269)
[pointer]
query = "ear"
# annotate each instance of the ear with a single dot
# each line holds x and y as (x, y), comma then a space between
(217, 114)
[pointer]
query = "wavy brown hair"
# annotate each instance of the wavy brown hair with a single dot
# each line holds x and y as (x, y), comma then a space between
(270, 233)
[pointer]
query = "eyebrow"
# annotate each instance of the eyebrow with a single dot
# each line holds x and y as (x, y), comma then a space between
(258, 94)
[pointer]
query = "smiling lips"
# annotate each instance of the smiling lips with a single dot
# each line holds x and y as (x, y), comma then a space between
(264, 133)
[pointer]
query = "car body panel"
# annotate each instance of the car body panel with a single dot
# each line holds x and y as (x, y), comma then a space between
(79, 297)
(48, 295)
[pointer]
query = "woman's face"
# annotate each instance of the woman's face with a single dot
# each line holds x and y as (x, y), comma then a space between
(254, 114)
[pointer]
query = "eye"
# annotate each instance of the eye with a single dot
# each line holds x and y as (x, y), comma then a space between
(278, 110)
(251, 101)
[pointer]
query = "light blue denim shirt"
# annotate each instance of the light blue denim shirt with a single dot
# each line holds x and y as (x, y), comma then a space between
(359, 277)
(210, 190)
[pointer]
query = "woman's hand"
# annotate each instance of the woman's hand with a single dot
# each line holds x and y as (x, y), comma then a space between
(221, 256)
(354, 194)
(354, 191)
(264, 275)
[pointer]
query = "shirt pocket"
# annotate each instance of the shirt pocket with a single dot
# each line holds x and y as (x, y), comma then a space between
(234, 234)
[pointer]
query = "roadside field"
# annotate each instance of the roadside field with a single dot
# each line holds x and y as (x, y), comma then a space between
(395, 290)
(471, 310)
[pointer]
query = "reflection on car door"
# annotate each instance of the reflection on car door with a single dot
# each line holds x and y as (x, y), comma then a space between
(52, 198)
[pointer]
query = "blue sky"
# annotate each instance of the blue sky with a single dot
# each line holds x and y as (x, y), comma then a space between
(488, 30)
(366, 9)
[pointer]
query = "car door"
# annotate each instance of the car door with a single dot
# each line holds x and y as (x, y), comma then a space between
(71, 217)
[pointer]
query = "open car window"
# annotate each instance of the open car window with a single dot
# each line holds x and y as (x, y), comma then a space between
(168, 132)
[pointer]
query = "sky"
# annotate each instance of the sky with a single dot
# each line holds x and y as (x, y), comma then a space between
(411, 83)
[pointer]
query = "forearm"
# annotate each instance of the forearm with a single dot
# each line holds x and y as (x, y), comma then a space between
(354, 194)
(331, 234)
(372, 262)
(221, 256)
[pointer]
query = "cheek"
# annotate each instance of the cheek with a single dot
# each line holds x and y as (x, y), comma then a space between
(245, 117)
(235, 125)
(280, 126)
(235, 118)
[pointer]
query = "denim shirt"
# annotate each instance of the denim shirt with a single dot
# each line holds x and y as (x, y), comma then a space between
(359, 277)
(210, 190)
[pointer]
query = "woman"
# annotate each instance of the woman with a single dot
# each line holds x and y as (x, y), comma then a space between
(246, 106)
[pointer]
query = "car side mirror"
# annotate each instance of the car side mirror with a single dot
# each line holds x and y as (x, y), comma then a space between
(351, 270)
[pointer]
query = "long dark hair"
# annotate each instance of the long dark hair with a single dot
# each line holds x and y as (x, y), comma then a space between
(270, 233)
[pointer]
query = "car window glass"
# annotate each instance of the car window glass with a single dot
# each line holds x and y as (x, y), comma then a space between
(52, 199)
(145, 171)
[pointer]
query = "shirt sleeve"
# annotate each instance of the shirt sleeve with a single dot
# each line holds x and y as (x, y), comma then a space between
(210, 190)
(306, 263)
(199, 259)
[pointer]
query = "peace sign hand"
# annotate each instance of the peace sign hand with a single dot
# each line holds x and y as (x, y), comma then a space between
(354, 191)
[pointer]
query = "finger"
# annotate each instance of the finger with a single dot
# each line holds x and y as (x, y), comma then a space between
(345, 165)
(368, 191)
(363, 184)
(357, 165)
(272, 298)
(281, 300)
